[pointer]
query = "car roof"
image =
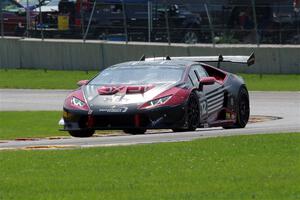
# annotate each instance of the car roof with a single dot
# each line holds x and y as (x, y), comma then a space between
(161, 63)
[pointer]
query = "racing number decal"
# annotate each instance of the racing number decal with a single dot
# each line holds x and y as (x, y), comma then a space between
(203, 108)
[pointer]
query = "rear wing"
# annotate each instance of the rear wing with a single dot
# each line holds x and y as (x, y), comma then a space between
(249, 60)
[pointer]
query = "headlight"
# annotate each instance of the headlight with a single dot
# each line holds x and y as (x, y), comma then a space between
(157, 102)
(77, 102)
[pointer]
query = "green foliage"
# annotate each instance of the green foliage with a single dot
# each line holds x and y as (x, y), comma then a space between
(226, 39)
(240, 167)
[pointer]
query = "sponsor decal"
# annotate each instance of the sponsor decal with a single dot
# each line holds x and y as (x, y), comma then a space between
(116, 98)
(114, 109)
(133, 89)
(106, 90)
(203, 108)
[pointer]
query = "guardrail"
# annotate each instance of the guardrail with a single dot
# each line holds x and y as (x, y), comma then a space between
(53, 54)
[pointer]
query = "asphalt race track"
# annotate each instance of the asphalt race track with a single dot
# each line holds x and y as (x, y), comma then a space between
(282, 107)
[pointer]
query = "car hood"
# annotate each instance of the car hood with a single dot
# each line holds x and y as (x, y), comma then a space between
(100, 96)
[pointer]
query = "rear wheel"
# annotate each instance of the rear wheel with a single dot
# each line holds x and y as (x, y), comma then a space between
(82, 133)
(135, 131)
(193, 114)
(243, 110)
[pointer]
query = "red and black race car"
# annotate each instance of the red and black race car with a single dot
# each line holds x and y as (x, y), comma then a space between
(179, 93)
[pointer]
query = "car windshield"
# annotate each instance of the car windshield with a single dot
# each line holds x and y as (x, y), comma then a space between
(36, 2)
(140, 75)
(30, 2)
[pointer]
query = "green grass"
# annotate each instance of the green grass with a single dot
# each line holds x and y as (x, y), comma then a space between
(29, 124)
(34, 124)
(37, 79)
(40, 79)
(272, 82)
(240, 167)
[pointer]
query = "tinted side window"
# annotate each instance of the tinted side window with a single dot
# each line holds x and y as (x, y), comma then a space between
(194, 76)
(200, 71)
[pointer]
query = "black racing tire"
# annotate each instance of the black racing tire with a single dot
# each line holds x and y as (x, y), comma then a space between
(135, 131)
(192, 114)
(242, 110)
(82, 133)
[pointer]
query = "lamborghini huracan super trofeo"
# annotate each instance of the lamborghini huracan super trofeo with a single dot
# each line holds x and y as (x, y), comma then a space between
(178, 93)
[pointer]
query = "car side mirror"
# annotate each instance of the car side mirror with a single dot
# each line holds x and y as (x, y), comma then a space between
(207, 80)
(82, 82)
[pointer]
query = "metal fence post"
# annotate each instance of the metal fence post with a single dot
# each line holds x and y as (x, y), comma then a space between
(167, 23)
(255, 21)
(125, 21)
(149, 20)
(210, 25)
(89, 24)
(27, 18)
(81, 19)
(297, 11)
(41, 19)
(1, 15)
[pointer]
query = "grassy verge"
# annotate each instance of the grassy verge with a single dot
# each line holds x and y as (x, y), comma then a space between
(240, 167)
(40, 79)
(37, 79)
(35, 124)
(29, 124)
(272, 82)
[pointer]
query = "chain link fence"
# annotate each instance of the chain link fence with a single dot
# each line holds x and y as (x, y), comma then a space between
(216, 22)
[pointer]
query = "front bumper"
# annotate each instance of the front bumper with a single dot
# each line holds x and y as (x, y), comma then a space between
(157, 118)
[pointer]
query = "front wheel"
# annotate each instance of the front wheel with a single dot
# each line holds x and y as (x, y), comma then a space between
(192, 115)
(82, 133)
